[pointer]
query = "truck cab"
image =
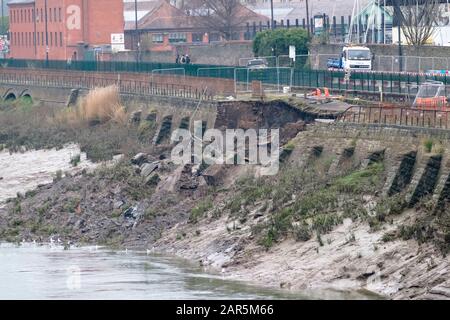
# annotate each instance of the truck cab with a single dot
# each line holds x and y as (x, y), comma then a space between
(356, 58)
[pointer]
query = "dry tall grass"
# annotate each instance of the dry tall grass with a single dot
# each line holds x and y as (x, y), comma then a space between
(101, 105)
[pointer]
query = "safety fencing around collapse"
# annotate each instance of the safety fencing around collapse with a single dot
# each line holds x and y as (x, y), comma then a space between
(229, 80)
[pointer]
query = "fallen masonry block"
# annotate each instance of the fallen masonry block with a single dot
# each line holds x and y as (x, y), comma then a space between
(214, 174)
(148, 168)
(136, 117)
(139, 159)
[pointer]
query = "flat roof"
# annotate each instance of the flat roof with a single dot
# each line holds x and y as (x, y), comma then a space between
(13, 2)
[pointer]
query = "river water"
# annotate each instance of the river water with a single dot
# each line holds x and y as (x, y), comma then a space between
(20, 172)
(31, 271)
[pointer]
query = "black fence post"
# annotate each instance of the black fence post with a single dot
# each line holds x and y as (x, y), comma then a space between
(343, 28)
(383, 21)
(288, 23)
(334, 28)
(296, 23)
(304, 23)
(366, 27)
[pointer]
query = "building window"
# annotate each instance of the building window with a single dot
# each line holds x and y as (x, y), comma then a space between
(60, 15)
(42, 15)
(60, 39)
(214, 37)
(51, 39)
(38, 39)
(197, 37)
(56, 39)
(50, 14)
(158, 38)
(177, 37)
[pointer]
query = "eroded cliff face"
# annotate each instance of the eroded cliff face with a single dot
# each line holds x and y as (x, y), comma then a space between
(351, 209)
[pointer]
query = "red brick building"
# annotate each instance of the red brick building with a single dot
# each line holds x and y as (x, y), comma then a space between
(63, 29)
(162, 25)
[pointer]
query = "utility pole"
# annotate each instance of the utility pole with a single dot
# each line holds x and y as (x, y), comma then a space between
(3, 18)
(307, 18)
(398, 22)
(136, 30)
(272, 21)
(46, 34)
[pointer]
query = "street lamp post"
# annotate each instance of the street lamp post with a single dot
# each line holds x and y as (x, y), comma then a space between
(3, 18)
(46, 34)
(398, 22)
(271, 15)
(307, 18)
(136, 30)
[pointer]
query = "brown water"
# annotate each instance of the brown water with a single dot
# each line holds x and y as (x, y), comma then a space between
(31, 271)
(21, 172)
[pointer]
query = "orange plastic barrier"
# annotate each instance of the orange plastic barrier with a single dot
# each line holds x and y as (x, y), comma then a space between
(434, 103)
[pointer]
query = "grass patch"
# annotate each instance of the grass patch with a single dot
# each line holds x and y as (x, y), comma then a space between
(360, 181)
(200, 210)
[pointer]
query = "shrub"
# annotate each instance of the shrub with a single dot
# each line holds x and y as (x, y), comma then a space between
(302, 233)
(99, 106)
(428, 145)
(75, 160)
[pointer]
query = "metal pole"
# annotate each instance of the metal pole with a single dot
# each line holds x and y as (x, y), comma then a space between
(3, 18)
(46, 35)
(397, 16)
(271, 15)
(307, 17)
(136, 29)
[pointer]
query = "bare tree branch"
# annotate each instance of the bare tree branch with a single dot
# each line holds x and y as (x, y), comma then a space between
(418, 19)
(222, 16)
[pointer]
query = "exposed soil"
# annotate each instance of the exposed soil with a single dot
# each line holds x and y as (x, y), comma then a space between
(322, 222)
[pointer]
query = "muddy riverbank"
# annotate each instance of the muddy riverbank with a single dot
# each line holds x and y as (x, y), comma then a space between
(181, 215)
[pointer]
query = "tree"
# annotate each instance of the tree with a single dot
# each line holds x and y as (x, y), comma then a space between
(222, 16)
(276, 42)
(4, 25)
(417, 18)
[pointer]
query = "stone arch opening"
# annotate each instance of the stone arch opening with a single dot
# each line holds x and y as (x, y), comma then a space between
(10, 96)
(27, 98)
